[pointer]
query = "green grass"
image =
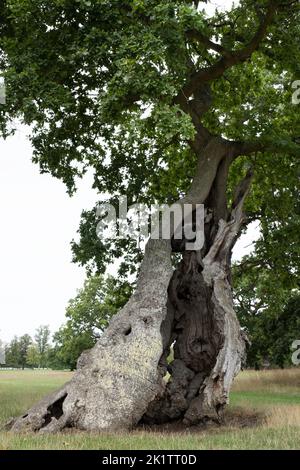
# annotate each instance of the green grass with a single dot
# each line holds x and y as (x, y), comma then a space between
(20, 389)
(264, 413)
(266, 388)
(262, 398)
(234, 440)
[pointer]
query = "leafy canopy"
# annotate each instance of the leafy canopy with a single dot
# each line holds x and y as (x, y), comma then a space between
(100, 81)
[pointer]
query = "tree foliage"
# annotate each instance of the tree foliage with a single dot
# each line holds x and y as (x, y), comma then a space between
(101, 83)
(42, 338)
(271, 321)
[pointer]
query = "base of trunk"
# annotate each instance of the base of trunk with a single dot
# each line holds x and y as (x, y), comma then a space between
(122, 380)
(115, 381)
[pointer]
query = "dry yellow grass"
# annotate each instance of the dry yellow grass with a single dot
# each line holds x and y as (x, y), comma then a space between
(264, 414)
(283, 416)
(267, 380)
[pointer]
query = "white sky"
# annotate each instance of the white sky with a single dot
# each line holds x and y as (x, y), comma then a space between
(211, 6)
(38, 221)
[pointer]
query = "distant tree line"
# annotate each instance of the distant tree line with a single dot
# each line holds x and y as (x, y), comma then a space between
(270, 317)
(87, 315)
(27, 352)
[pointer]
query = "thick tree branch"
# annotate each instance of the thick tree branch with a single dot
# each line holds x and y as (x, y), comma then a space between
(196, 35)
(229, 231)
(229, 59)
(209, 160)
(218, 197)
(246, 148)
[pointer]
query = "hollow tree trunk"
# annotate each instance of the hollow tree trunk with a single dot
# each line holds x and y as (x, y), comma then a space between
(209, 346)
(121, 381)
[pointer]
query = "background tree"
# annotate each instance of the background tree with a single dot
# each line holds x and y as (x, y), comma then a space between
(2, 353)
(24, 344)
(267, 282)
(165, 105)
(42, 338)
(33, 357)
(282, 331)
(269, 312)
(12, 353)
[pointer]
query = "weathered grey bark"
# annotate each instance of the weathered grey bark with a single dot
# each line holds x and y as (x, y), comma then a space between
(209, 346)
(120, 381)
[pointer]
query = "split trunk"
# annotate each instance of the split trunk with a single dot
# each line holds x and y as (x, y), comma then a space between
(126, 378)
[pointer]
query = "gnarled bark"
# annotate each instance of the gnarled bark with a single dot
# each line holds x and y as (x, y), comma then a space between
(209, 346)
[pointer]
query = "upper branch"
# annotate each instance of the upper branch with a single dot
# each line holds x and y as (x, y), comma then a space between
(260, 145)
(229, 59)
(194, 34)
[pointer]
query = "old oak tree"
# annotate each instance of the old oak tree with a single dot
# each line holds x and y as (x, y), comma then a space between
(164, 104)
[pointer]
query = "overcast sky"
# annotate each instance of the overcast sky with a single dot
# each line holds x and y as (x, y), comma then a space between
(38, 221)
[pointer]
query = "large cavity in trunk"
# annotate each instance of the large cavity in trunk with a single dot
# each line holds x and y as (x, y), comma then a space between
(194, 337)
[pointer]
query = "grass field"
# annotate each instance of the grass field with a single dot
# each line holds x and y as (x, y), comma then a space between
(264, 413)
